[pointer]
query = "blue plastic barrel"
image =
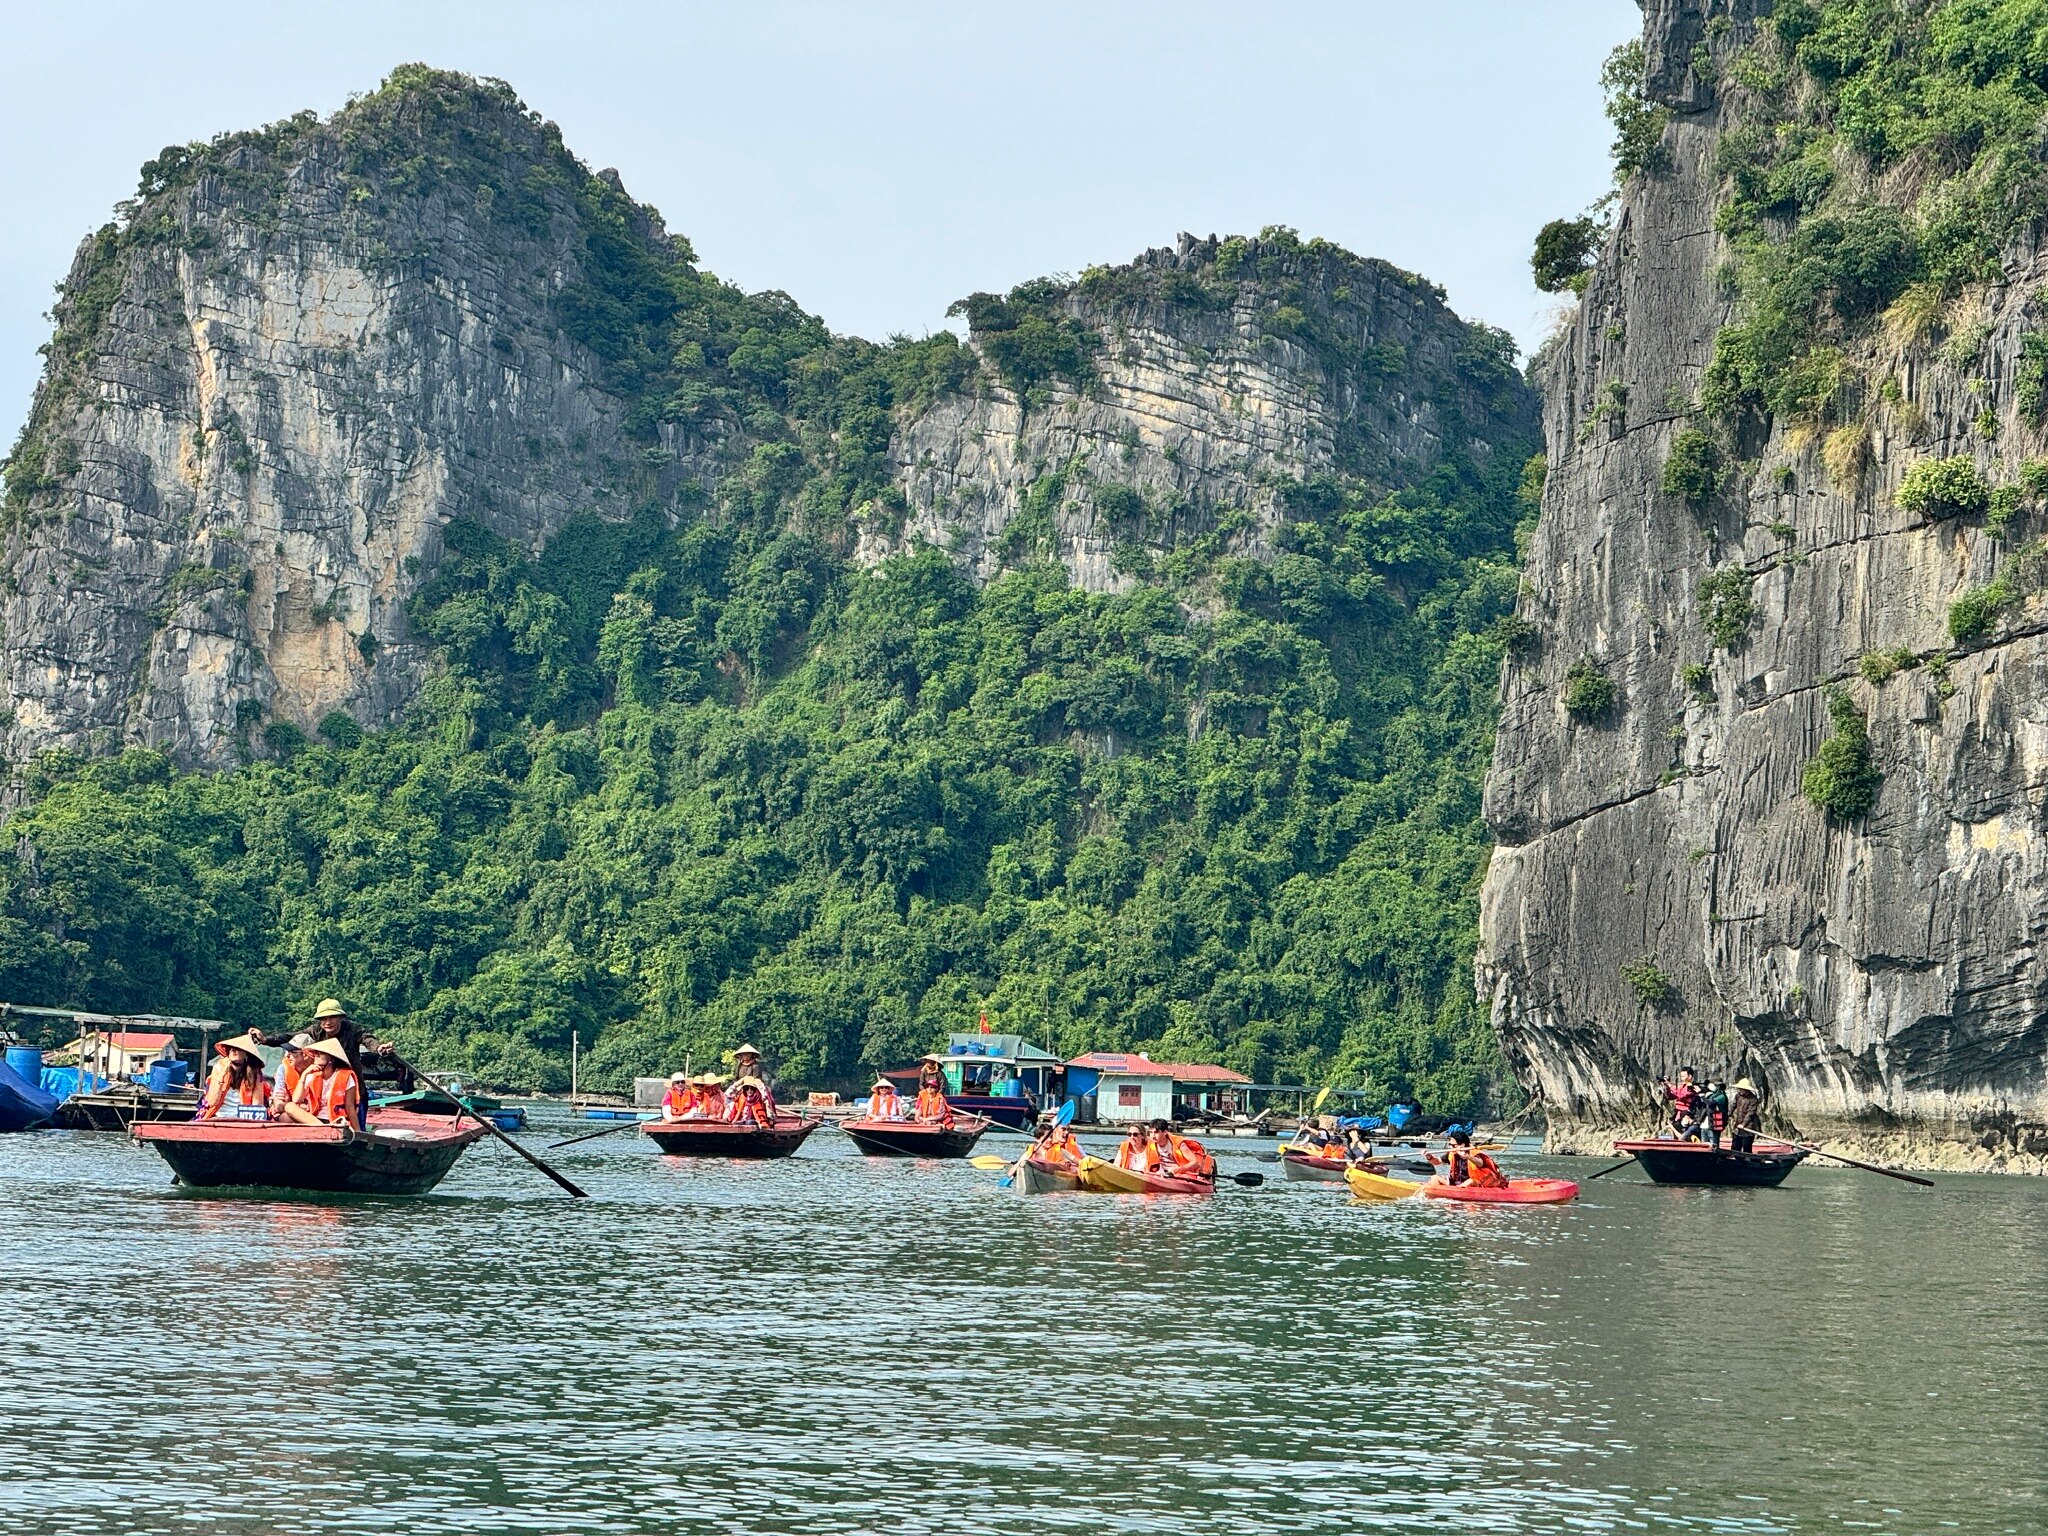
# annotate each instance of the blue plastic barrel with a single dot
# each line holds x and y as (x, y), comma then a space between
(26, 1063)
(160, 1076)
(1009, 1088)
(181, 1073)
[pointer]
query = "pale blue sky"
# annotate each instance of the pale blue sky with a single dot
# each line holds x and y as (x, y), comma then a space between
(878, 161)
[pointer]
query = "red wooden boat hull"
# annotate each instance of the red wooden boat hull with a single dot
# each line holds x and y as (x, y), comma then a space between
(1764, 1166)
(1518, 1192)
(400, 1154)
(717, 1138)
(916, 1138)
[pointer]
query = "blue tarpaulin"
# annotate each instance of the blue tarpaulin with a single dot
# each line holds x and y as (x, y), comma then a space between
(23, 1106)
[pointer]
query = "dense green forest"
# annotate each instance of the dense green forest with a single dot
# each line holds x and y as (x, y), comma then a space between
(696, 775)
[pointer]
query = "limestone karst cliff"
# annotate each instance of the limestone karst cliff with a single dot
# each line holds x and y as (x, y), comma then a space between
(1794, 434)
(301, 352)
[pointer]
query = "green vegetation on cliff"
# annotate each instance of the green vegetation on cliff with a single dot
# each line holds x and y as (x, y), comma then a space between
(693, 773)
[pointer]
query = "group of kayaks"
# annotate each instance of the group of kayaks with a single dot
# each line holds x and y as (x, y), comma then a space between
(1366, 1184)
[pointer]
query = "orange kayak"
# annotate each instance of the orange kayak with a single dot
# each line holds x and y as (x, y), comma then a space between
(1518, 1192)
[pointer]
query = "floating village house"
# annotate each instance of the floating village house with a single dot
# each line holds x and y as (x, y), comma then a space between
(1005, 1077)
(121, 1053)
(1124, 1088)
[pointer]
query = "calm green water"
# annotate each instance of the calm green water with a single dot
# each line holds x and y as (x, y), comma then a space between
(836, 1345)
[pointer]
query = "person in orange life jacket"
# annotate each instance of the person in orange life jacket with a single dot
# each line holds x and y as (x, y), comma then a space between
(1178, 1156)
(681, 1097)
(749, 1104)
(1135, 1153)
(884, 1102)
(1462, 1165)
(932, 1106)
(1058, 1146)
(331, 1021)
(289, 1072)
(330, 1093)
(236, 1089)
(746, 1062)
(709, 1097)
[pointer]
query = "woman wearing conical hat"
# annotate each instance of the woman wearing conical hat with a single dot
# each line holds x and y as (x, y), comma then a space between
(236, 1090)
(746, 1063)
(330, 1093)
(749, 1104)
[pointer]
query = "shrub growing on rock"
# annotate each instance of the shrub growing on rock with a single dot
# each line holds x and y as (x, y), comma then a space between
(1647, 980)
(1563, 258)
(1692, 473)
(1949, 487)
(1589, 693)
(1726, 606)
(1841, 778)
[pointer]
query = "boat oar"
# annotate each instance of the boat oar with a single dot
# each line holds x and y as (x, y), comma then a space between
(463, 1104)
(610, 1130)
(1248, 1180)
(1611, 1168)
(1890, 1173)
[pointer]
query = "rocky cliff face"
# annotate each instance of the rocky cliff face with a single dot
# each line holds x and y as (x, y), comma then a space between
(1663, 892)
(302, 352)
(297, 356)
(1184, 394)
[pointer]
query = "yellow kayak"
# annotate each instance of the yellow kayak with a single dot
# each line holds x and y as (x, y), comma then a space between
(1108, 1179)
(1377, 1186)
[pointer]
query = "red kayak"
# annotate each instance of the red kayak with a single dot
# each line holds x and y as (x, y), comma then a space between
(1518, 1192)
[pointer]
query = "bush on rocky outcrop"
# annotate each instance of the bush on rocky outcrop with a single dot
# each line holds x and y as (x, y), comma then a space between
(1693, 469)
(1950, 487)
(1842, 779)
(1589, 693)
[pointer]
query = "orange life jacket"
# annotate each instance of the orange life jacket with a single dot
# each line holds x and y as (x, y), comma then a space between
(1191, 1160)
(750, 1104)
(217, 1091)
(1484, 1172)
(287, 1089)
(885, 1104)
(678, 1102)
(334, 1096)
(932, 1105)
(1137, 1157)
(711, 1103)
(1062, 1148)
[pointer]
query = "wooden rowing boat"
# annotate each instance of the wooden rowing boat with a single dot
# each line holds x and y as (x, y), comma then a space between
(1516, 1192)
(1104, 1178)
(1378, 1186)
(398, 1154)
(916, 1138)
(1764, 1166)
(720, 1138)
(1305, 1167)
(1035, 1176)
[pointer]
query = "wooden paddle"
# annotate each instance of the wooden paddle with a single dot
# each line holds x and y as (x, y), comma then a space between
(623, 1125)
(463, 1104)
(1611, 1168)
(1890, 1173)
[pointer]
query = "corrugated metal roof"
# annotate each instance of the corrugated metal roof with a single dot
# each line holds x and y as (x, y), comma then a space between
(1124, 1064)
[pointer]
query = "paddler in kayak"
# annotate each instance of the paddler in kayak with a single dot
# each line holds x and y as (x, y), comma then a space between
(1134, 1153)
(1462, 1165)
(1058, 1147)
(237, 1089)
(330, 1093)
(1179, 1157)
(749, 1104)
(884, 1102)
